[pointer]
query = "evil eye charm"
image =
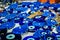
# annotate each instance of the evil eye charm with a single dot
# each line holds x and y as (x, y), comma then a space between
(32, 28)
(39, 33)
(30, 38)
(57, 36)
(49, 37)
(46, 27)
(10, 36)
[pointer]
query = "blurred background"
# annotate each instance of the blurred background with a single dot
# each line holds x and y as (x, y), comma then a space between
(4, 3)
(10, 1)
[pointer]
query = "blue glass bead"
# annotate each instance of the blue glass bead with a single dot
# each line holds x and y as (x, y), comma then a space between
(10, 16)
(21, 9)
(52, 6)
(58, 28)
(23, 15)
(51, 22)
(57, 5)
(8, 25)
(37, 4)
(26, 3)
(11, 36)
(57, 36)
(46, 13)
(46, 27)
(54, 22)
(31, 5)
(13, 5)
(27, 21)
(7, 9)
(39, 18)
(48, 22)
(52, 16)
(4, 13)
(4, 20)
(39, 24)
(2, 27)
(32, 9)
(49, 37)
(30, 38)
(17, 30)
(17, 19)
(24, 27)
(10, 11)
(20, 30)
(46, 4)
(32, 28)
(39, 33)
(1, 21)
(15, 11)
(20, 21)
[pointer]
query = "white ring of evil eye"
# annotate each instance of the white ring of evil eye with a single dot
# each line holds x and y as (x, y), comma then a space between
(49, 38)
(58, 37)
(15, 11)
(31, 5)
(38, 17)
(32, 11)
(10, 36)
(35, 8)
(58, 8)
(7, 9)
(45, 27)
(31, 27)
(4, 20)
(46, 10)
(30, 39)
(51, 7)
(41, 6)
(25, 21)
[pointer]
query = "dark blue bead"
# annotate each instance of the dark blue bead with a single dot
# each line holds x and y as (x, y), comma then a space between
(20, 21)
(49, 37)
(58, 29)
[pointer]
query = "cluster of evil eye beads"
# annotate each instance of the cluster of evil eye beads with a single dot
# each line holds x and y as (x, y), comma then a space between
(15, 18)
